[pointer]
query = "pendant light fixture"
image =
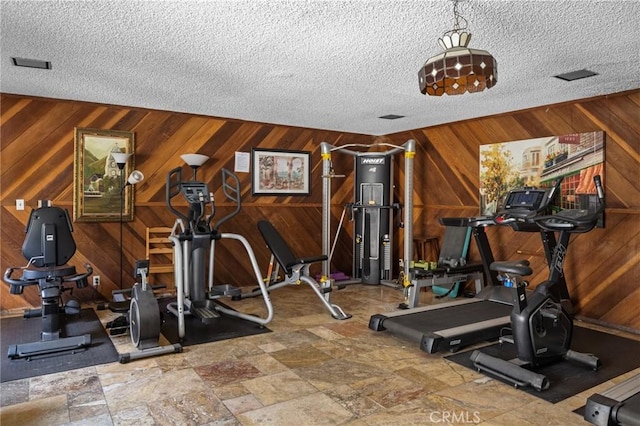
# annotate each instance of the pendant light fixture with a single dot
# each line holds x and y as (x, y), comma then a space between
(458, 69)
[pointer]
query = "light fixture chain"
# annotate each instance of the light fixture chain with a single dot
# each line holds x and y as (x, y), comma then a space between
(457, 17)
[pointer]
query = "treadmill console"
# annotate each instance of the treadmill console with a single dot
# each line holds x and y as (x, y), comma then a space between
(520, 208)
(529, 199)
(522, 205)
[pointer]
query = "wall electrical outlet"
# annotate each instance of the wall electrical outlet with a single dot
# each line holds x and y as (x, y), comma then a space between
(20, 204)
(96, 280)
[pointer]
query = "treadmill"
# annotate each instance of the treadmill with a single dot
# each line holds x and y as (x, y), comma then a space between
(619, 405)
(453, 325)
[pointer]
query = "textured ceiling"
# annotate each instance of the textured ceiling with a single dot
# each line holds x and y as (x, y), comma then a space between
(336, 65)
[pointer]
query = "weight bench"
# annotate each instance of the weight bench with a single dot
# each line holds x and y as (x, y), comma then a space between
(296, 269)
(452, 268)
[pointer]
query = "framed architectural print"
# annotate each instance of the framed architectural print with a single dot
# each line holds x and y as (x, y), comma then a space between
(575, 158)
(280, 172)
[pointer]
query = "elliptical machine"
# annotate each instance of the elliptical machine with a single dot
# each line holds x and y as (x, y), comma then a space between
(194, 237)
(541, 326)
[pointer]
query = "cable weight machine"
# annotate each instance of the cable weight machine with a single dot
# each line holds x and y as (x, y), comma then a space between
(371, 211)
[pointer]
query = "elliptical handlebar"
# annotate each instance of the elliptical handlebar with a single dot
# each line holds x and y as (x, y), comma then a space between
(197, 195)
(232, 192)
(578, 221)
(173, 188)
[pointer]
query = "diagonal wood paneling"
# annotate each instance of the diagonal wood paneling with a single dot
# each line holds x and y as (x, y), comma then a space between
(37, 163)
(602, 266)
(36, 138)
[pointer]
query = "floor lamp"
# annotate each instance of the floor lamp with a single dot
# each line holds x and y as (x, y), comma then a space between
(194, 161)
(135, 177)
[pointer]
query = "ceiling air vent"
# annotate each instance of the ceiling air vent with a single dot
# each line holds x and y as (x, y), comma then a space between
(31, 63)
(575, 75)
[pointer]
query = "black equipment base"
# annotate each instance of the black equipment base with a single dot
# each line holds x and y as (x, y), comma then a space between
(197, 332)
(48, 347)
(17, 330)
(617, 354)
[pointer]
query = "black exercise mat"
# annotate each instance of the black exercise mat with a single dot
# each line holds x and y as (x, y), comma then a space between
(18, 330)
(223, 328)
(617, 354)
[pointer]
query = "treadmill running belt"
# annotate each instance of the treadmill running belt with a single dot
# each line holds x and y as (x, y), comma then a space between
(452, 327)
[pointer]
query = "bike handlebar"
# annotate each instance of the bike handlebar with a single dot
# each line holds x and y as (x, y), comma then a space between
(7, 278)
(81, 275)
(27, 282)
(579, 220)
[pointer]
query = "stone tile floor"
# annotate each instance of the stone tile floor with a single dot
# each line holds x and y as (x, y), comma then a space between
(311, 370)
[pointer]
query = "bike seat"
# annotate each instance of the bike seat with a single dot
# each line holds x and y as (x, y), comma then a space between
(517, 267)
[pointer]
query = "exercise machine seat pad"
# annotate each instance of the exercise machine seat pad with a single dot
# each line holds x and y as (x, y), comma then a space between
(281, 250)
(48, 240)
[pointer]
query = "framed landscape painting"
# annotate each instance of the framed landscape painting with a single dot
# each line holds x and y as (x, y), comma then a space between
(100, 194)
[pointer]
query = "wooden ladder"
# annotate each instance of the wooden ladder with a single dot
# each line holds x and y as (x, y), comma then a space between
(160, 256)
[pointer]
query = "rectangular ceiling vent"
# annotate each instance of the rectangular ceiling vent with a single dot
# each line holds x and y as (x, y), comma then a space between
(575, 75)
(31, 63)
(391, 117)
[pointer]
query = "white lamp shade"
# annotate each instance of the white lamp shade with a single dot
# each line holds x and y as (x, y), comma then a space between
(194, 160)
(120, 157)
(136, 176)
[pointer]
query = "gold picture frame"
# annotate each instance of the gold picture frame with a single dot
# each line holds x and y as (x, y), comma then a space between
(100, 193)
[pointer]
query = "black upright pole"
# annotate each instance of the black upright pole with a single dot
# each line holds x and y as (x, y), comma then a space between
(121, 216)
(120, 159)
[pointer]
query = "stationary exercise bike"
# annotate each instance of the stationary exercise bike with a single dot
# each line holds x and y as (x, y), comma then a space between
(48, 247)
(541, 326)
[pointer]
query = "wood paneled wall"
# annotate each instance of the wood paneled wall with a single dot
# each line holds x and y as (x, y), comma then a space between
(37, 163)
(603, 266)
